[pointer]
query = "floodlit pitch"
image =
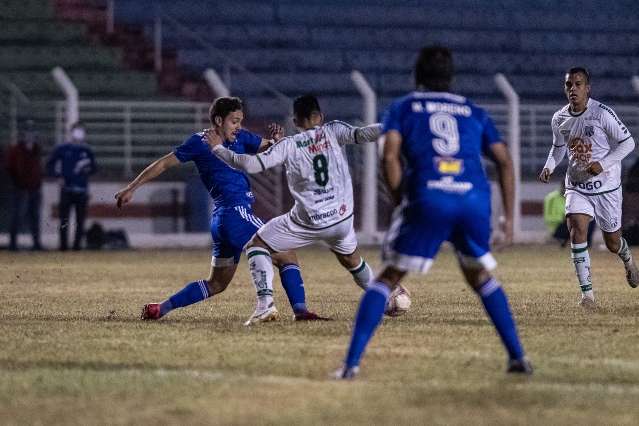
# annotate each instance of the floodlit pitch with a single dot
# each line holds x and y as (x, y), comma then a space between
(73, 351)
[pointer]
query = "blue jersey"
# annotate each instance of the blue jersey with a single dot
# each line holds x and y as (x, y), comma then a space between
(443, 139)
(74, 162)
(227, 186)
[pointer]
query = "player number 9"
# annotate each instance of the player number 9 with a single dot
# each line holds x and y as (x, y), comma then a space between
(444, 126)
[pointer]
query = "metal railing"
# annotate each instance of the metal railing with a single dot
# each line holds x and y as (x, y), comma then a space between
(127, 134)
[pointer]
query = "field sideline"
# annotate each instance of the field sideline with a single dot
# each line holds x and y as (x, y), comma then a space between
(73, 351)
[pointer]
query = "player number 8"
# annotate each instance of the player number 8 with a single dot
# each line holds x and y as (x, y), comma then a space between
(320, 165)
(444, 126)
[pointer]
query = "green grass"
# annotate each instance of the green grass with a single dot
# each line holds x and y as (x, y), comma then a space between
(72, 350)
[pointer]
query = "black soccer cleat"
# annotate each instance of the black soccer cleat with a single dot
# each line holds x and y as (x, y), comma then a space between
(520, 366)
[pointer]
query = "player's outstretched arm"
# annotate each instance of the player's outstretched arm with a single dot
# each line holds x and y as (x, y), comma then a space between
(347, 134)
(506, 176)
(152, 171)
(392, 164)
(368, 133)
(245, 162)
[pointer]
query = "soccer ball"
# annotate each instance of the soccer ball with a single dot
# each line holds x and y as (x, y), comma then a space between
(398, 302)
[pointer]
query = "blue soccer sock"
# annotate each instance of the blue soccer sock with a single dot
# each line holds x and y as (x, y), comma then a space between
(496, 304)
(369, 315)
(293, 284)
(192, 293)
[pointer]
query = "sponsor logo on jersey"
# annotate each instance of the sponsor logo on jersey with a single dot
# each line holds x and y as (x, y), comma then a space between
(605, 108)
(315, 145)
(448, 184)
(303, 143)
(589, 130)
(318, 147)
(323, 215)
(580, 151)
(448, 166)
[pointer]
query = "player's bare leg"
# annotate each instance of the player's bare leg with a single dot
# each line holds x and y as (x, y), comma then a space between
(578, 227)
(357, 266)
(618, 245)
(399, 300)
(497, 307)
(219, 278)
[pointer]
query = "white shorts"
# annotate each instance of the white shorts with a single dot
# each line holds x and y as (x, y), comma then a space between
(282, 234)
(605, 208)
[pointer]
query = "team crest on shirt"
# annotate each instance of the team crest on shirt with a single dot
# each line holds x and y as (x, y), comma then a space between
(342, 209)
(589, 130)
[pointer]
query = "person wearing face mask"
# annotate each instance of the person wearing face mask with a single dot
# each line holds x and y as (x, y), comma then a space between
(25, 171)
(73, 162)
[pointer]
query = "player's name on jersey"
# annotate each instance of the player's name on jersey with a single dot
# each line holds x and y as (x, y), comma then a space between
(432, 107)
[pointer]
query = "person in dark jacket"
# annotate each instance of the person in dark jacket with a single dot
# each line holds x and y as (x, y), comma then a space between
(25, 171)
(74, 163)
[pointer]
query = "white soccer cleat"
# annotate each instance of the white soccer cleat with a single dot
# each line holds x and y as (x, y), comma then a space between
(398, 302)
(632, 275)
(587, 303)
(344, 373)
(263, 315)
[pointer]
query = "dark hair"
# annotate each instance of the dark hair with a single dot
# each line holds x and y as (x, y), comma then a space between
(580, 70)
(434, 68)
(221, 107)
(304, 106)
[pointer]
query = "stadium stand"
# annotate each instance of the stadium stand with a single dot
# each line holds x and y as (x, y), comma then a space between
(315, 45)
(33, 39)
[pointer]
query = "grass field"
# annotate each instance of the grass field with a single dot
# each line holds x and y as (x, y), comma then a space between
(73, 351)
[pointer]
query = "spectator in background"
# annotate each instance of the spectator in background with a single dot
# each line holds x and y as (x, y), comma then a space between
(25, 170)
(74, 163)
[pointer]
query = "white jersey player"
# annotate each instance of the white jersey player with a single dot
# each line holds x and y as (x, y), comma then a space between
(596, 141)
(320, 182)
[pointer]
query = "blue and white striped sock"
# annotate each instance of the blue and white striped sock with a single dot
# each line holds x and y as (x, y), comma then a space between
(192, 293)
(293, 284)
(497, 308)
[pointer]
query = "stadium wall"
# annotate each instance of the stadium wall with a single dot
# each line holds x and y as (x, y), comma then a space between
(168, 214)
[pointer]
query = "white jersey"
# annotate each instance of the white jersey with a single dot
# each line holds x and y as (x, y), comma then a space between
(589, 136)
(316, 170)
(317, 173)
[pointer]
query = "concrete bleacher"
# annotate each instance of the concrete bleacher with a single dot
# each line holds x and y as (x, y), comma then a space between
(313, 46)
(33, 41)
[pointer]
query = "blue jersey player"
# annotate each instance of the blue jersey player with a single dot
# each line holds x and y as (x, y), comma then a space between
(233, 222)
(443, 195)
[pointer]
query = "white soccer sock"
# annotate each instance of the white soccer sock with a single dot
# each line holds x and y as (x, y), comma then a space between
(581, 259)
(362, 274)
(261, 268)
(624, 253)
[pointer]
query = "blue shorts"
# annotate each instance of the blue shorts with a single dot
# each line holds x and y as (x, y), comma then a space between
(419, 228)
(231, 229)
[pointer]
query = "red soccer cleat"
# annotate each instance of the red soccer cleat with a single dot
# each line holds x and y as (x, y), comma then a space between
(151, 311)
(309, 316)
